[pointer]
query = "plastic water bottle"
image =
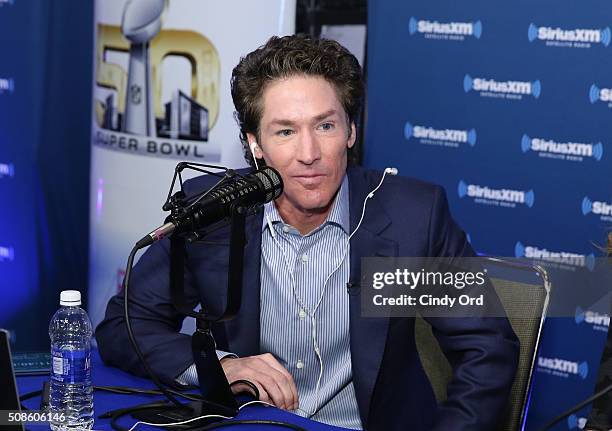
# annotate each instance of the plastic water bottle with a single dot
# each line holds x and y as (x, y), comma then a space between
(71, 394)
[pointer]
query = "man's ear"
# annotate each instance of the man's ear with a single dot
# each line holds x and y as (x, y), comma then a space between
(254, 146)
(353, 136)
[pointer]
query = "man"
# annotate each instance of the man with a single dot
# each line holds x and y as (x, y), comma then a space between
(300, 336)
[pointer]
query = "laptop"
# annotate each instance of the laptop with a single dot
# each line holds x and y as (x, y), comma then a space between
(9, 398)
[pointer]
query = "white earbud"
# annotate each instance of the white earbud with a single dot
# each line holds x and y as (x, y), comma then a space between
(252, 146)
(391, 171)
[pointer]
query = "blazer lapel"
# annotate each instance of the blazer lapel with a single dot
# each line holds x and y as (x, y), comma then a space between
(367, 335)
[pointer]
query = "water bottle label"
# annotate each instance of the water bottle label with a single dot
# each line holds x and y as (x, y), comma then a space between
(70, 366)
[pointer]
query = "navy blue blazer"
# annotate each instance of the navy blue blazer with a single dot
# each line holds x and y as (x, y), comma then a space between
(406, 217)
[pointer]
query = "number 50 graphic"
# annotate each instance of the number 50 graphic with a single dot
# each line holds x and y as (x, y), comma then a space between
(203, 101)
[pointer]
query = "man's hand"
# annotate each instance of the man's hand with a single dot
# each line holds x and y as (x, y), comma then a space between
(273, 381)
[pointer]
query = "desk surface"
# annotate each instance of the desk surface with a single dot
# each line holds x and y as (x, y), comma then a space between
(103, 402)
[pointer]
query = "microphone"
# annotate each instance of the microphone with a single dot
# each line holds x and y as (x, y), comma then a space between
(249, 191)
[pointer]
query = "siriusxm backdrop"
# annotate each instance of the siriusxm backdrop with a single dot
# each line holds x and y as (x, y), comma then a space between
(509, 107)
(44, 160)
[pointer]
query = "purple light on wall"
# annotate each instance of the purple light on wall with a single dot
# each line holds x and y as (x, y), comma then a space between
(99, 197)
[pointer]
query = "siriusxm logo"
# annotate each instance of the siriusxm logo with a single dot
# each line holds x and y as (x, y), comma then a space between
(574, 151)
(597, 320)
(445, 30)
(597, 94)
(7, 253)
(563, 368)
(500, 197)
(562, 257)
(602, 209)
(7, 170)
(505, 89)
(444, 137)
(576, 38)
(574, 422)
(7, 85)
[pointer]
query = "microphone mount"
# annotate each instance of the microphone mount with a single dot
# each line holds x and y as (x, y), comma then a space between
(185, 224)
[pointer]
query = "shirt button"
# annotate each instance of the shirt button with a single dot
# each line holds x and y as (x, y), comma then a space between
(299, 364)
(304, 258)
(286, 229)
(302, 314)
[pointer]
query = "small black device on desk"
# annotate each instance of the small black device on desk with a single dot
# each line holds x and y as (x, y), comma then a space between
(9, 399)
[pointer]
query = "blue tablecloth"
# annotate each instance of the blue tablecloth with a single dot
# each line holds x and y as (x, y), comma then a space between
(103, 402)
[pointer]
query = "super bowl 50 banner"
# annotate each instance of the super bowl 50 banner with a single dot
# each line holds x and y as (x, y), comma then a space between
(507, 105)
(161, 95)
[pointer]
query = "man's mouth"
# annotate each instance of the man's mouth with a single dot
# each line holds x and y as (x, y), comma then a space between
(308, 175)
(309, 179)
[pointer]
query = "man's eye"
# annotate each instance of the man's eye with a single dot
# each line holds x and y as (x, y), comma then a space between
(326, 127)
(284, 132)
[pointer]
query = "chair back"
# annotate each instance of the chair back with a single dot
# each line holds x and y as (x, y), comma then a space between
(523, 290)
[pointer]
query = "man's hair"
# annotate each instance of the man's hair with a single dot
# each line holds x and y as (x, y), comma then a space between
(283, 57)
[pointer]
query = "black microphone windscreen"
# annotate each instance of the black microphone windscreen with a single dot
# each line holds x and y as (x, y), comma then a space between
(272, 182)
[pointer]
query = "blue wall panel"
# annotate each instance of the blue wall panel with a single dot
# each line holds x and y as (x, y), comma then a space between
(45, 94)
(507, 106)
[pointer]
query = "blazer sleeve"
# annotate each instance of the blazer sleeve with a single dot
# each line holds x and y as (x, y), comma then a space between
(483, 351)
(155, 322)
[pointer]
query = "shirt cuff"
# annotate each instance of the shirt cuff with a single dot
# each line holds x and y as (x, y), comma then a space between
(189, 377)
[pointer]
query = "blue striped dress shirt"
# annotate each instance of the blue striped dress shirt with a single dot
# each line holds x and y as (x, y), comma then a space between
(286, 328)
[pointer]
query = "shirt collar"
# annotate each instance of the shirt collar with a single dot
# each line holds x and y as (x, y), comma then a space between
(339, 214)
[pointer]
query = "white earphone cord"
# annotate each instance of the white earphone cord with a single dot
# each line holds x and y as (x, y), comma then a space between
(317, 350)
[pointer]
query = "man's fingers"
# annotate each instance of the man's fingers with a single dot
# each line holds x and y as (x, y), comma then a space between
(274, 381)
(280, 393)
(273, 362)
(265, 378)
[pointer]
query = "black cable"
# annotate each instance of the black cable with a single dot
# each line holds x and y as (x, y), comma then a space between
(249, 384)
(121, 390)
(143, 361)
(118, 414)
(115, 415)
(29, 395)
(252, 422)
(577, 407)
(125, 410)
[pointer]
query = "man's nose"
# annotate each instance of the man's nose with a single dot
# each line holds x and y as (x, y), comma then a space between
(309, 150)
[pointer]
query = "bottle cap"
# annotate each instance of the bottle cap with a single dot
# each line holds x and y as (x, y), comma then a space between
(70, 298)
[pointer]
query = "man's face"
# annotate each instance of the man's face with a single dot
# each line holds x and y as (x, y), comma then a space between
(304, 135)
